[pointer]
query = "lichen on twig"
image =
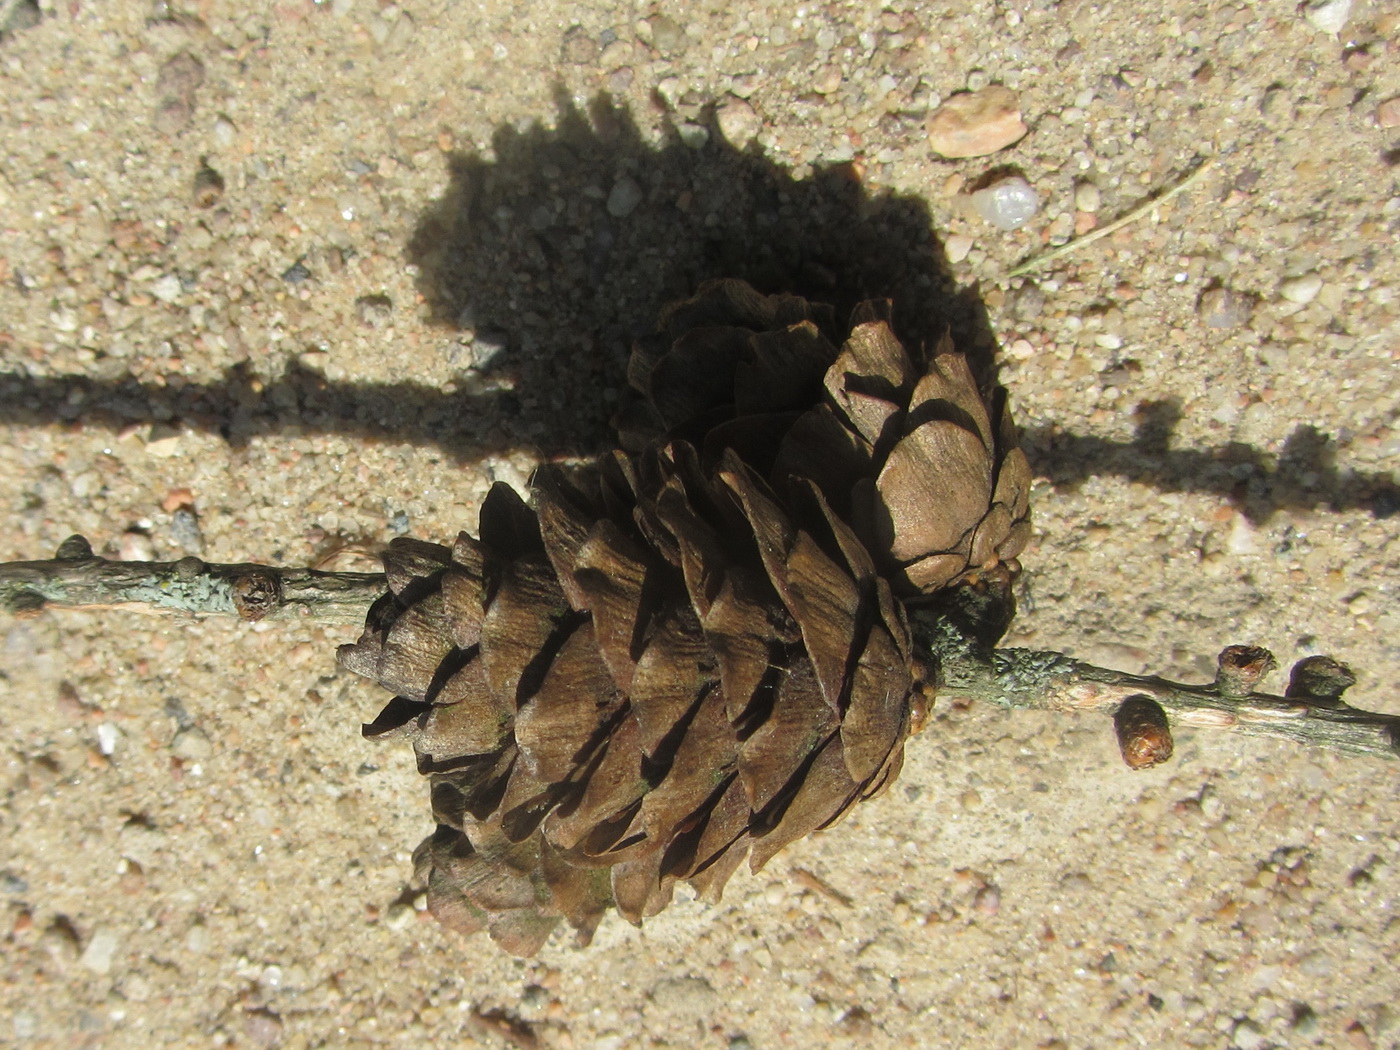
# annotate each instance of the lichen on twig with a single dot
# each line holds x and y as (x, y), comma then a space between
(77, 578)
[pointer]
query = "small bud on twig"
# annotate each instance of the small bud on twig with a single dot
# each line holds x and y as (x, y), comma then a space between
(1144, 737)
(1320, 679)
(74, 548)
(1242, 668)
(255, 594)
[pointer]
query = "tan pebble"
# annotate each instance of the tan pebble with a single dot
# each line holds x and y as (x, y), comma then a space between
(175, 499)
(828, 80)
(1301, 290)
(1358, 1037)
(1021, 350)
(135, 546)
(1388, 113)
(738, 123)
(987, 900)
(957, 246)
(1084, 222)
(976, 123)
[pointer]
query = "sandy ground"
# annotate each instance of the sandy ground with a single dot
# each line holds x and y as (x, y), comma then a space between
(433, 231)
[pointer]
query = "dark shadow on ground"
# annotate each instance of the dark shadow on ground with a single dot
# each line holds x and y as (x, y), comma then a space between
(1304, 474)
(532, 258)
(563, 245)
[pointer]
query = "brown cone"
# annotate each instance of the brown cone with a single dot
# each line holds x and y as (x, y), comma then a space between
(697, 651)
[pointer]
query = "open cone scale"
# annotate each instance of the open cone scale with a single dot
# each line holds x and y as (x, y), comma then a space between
(698, 649)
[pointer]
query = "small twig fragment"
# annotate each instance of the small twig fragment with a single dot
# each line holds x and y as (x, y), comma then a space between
(810, 880)
(77, 578)
(1128, 217)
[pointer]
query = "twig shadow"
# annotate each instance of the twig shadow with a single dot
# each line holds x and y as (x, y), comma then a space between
(548, 254)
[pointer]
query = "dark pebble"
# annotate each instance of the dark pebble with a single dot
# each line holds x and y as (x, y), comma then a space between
(208, 187)
(184, 528)
(296, 273)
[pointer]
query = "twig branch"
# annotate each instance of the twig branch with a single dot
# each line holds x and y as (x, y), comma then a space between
(1117, 224)
(1311, 712)
(77, 578)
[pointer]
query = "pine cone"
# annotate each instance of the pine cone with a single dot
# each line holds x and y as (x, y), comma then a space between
(699, 650)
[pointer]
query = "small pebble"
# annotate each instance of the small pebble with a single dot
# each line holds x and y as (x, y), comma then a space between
(578, 48)
(192, 744)
(1301, 290)
(375, 311)
(208, 187)
(224, 132)
(693, 136)
(135, 546)
(107, 737)
(1274, 103)
(987, 900)
(667, 35)
(738, 123)
(1027, 302)
(392, 26)
(296, 273)
(828, 80)
(1087, 197)
(100, 951)
(1388, 113)
(1304, 1020)
(263, 1027)
(624, 198)
(184, 529)
(976, 123)
(177, 85)
(197, 939)
(166, 288)
(1327, 16)
(670, 91)
(692, 998)
(957, 246)
(1243, 536)
(1247, 1035)
(22, 16)
(1007, 204)
(1222, 308)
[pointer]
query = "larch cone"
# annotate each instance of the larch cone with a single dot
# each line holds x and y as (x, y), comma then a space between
(698, 649)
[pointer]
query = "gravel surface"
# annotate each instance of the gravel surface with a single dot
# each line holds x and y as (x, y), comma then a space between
(278, 280)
